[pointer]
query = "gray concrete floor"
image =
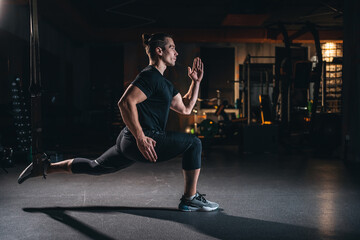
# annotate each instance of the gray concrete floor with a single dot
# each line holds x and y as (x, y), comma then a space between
(262, 196)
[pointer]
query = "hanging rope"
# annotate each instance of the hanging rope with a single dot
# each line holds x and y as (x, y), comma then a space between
(35, 83)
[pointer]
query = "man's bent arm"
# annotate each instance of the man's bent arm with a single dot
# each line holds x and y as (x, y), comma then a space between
(127, 105)
(186, 104)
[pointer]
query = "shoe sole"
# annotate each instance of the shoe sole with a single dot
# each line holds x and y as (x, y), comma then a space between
(44, 163)
(197, 209)
(22, 178)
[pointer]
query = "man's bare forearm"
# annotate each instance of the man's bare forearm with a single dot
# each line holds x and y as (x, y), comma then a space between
(130, 117)
(190, 91)
(192, 95)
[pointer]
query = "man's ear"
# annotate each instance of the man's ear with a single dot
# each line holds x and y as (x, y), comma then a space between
(159, 51)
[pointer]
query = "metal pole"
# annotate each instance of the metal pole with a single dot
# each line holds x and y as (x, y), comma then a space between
(323, 87)
(262, 56)
(261, 83)
(267, 83)
(288, 102)
(218, 96)
(318, 68)
(243, 91)
(248, 89)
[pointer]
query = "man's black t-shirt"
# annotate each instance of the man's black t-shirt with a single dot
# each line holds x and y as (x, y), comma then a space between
(154, 111)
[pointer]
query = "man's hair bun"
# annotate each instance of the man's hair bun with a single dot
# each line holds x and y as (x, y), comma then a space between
(145, 38)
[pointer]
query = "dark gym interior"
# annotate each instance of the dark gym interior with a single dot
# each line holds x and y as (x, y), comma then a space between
(278, 115)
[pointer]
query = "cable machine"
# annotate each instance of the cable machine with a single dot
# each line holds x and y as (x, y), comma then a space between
(284, 82)
(246, 104)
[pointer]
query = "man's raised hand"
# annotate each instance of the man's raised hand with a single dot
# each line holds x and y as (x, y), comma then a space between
(196, 73)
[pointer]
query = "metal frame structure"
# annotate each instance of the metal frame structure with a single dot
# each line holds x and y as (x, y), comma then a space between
(247, 64)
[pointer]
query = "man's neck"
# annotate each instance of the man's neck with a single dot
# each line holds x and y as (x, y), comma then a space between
(159, 65)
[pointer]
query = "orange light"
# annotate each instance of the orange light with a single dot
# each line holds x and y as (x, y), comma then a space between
(307, 119)
(329, 51)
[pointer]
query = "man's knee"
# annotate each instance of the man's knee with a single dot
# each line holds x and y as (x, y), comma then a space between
(192, 157)
(197, 143)
(92, 167)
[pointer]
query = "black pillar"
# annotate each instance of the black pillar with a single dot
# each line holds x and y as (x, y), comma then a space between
(351, 82)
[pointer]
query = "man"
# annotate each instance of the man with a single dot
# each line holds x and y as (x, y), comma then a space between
(144, 108)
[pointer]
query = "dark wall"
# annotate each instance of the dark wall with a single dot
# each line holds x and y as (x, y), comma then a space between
(219, 73)
(81, 82)
(107, 86)
(12, 65)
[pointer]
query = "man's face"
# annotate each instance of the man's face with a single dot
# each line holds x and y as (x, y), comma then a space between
(169, 53)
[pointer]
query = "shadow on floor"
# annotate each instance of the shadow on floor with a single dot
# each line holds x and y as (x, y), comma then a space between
(214, 224)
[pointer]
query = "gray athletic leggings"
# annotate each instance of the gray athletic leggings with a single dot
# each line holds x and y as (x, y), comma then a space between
(126, 152)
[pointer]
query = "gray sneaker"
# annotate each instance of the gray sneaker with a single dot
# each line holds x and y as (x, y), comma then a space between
(198, 203)
(35, 170)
